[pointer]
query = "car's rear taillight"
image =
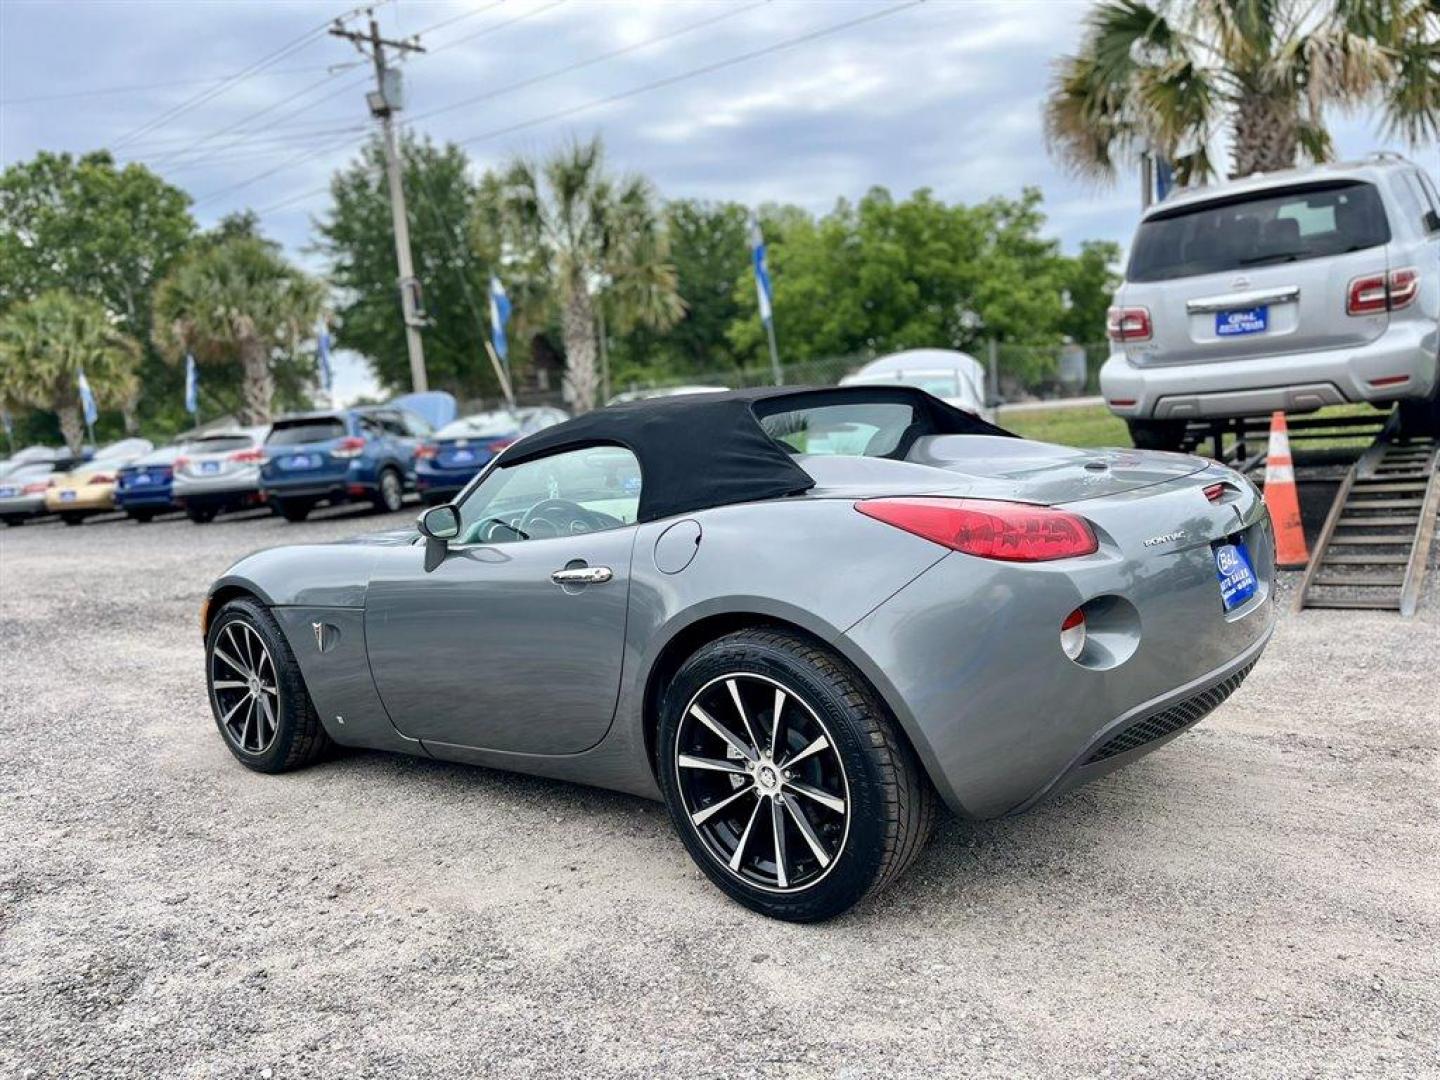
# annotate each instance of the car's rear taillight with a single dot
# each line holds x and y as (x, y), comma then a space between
(101, 478)
(427, 451)
(181, 462)
(1370, 294)
(349, 447)
(253, 456)
(497, 445)
(1215, 492)
(36, 489)
(1128, 323)
(1013, 532)
(1072, 634)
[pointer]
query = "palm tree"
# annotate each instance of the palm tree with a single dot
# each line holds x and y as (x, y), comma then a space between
(577, 233)
(1168, 78)
(44, 345)
(236, 299)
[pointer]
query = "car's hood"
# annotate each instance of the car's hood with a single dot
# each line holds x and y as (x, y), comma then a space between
(388, 538)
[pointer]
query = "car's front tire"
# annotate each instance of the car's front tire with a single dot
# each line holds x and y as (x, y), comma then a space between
(801, 827)
(257, 693)
(1156, 434)
(389, 495)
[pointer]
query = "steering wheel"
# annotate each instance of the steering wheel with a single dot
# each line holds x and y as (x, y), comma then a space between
(540, 515)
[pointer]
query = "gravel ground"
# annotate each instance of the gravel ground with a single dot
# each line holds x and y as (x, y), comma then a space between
(1258, 898)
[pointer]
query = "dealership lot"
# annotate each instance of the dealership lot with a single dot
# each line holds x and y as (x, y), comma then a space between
(1260, 896)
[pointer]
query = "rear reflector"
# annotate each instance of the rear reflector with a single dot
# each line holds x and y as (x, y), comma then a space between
(1011, 532)
(1072, 634)
(1123, 402)
(1390, 380)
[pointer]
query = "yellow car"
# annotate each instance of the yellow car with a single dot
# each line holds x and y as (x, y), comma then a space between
(90, 488)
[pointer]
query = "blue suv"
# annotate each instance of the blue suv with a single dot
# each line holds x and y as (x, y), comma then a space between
(350, 455)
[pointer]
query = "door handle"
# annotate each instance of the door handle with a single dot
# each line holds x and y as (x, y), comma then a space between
(582, 575)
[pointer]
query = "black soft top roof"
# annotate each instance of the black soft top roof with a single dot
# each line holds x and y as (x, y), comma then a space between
(702, 450)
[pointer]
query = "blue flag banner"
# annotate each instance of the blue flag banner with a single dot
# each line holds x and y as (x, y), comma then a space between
(762, 272)
(192, 386)
(322, 354)
(499, 316)
(87, 399)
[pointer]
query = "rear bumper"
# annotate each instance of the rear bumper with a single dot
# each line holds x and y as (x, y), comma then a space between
(145, 499)
(23, 506)
(968, 655)
(1295, 382)
(85, 500)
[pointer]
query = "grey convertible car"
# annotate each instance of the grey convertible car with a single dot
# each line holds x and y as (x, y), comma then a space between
(802, 618)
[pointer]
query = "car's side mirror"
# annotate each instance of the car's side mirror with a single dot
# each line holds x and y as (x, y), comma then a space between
(438, 525)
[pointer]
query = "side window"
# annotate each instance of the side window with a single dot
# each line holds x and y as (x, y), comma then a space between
(1412, 197)
(1432, 199)
(566, 494)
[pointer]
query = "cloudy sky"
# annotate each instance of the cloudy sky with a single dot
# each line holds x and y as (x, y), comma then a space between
(752, 100)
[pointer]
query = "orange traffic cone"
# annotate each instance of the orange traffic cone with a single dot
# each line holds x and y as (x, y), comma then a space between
(1282, 499)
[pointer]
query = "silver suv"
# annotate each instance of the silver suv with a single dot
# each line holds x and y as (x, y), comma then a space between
(1290, 291)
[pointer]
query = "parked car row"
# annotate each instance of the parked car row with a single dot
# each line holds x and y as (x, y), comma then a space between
(374, 454)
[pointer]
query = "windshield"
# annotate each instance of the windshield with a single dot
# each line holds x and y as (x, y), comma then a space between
(868, 429)
(1264, 228)
(219, 444)
(316, 429)
(481, 425)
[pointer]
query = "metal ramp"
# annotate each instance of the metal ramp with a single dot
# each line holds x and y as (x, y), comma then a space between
(1375, 545)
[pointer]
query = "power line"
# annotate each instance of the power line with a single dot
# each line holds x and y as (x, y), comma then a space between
(599, 58)
(706, 69)
(658, 84)
(196, 100)
(457, 18)
(135, 88)
(495, 27)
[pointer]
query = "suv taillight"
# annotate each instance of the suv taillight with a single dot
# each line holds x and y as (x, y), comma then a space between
(349, 447)
(1128, 323)
(1371, 294)
(1012, 532)
(427, 451)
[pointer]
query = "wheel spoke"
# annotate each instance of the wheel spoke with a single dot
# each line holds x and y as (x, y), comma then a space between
(230, 684)
(775, 729)
(815, 747)
(689, 761)
(710, 811)
(740, 708)
(268, 716)
(235, 664)
(225, 720)
(824, 798)
(802, 823)
(724, 733)
(739, 856)
(249, 725)
(241, 645)
(777, 826)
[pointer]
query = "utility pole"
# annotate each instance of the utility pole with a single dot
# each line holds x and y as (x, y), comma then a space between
(384, 101)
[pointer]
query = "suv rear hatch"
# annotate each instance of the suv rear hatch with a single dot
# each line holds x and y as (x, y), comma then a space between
(299, 450)
(1260, 273)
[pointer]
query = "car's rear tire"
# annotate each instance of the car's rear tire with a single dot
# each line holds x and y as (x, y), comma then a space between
(73, 519)
(14, 521)
(1156, 434)
(389, 497)
(294, 509)
(1421, 418)
(257, 694)
(201, 515)
(851, 815)
(142, 516)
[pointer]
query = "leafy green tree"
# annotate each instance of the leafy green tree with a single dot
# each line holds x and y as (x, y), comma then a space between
(237, 300)
(1168, 76)
(357, 238)
(886, 275)
(97, 230)
(45, 344)
(1089, 280)
(583, 232)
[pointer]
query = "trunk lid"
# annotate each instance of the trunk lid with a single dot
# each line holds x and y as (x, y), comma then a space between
(997, 467)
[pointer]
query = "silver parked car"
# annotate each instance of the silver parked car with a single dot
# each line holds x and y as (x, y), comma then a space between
(22, 489)
(1288, 291)
(802, 650)
(220, 471)
(953, 376)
